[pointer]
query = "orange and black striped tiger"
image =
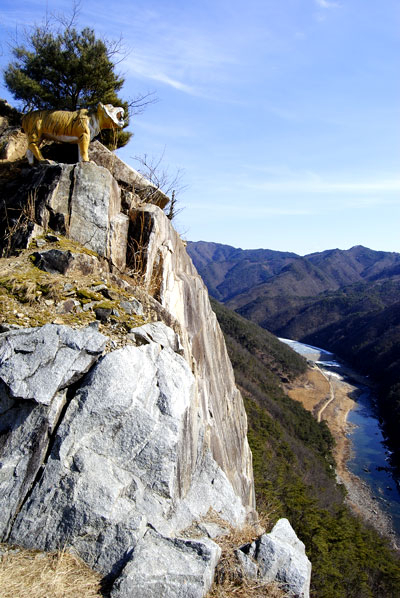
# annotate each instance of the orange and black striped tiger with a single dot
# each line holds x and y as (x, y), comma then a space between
(78, 127)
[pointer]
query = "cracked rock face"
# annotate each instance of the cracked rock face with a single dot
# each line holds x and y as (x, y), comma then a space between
(96, 464)
(220, 406)
(81, 201)
(115, 455)
(36, 367)
(36, 363)
(113, 463)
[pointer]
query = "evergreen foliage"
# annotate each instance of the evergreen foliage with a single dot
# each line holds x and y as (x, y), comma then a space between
(294, 471)
(66, 70)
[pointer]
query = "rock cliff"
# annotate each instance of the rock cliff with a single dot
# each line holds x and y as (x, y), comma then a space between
(125, 427)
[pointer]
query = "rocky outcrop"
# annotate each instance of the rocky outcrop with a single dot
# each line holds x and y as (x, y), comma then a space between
(172, 568)
(114, 452)
(180, 290)
(97, 465)
(81, 201)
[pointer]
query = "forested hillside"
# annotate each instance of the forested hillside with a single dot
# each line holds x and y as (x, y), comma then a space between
(344, 301)
(293, 468)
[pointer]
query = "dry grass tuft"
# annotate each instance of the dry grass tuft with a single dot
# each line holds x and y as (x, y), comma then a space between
(25, 290)
(248, 589)
(34, 574)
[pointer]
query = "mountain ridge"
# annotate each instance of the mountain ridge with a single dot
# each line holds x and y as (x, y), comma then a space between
(342, 300)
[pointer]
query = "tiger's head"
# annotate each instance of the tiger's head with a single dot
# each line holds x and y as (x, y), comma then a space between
(110, 117)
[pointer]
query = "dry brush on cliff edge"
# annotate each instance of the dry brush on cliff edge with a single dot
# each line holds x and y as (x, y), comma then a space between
(43, 575)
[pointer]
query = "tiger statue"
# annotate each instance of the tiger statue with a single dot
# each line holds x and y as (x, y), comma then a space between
(78, 127)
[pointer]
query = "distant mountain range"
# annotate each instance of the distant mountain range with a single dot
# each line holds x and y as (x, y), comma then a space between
(347, 301)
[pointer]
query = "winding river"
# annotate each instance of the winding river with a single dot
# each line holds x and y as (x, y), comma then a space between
(370, 457)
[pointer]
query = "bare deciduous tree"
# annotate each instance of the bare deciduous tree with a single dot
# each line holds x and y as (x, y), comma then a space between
(169, 183)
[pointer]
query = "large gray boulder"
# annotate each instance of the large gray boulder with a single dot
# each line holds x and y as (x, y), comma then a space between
(157, 332)
(281, 556)
(36, 367)
(113, 473)
(36, 363)
(168, 567)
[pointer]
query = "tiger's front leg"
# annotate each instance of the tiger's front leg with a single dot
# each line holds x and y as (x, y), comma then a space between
(33, 149)
(83, 147)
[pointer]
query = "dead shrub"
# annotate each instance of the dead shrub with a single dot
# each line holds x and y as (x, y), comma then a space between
(16, 227)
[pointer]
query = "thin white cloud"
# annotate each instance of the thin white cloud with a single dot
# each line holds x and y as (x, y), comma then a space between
(179, 61)
(327, 4)
(173, 130)
(252, 211)
(154, 71)
(319, 186)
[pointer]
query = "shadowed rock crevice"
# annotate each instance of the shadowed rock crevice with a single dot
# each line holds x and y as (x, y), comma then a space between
(140, 228)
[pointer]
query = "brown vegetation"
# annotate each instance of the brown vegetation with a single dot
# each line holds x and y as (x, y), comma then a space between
(43, 575)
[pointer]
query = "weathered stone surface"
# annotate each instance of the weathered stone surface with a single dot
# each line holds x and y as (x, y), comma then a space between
(81, 201)
(248, 566)
(113, 467)
(95, 218)
(171, 568)
(113, 471)
(133, 306)
(210, 487)
(219, 406)
(158, 333)
(127, 176)
(35, 363)
(35, 366)
(25, 429)
(281, 556)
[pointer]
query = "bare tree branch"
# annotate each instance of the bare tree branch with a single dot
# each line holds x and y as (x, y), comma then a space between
(170, 184)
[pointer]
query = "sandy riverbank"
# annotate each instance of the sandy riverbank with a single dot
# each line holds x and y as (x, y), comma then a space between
(330, 398)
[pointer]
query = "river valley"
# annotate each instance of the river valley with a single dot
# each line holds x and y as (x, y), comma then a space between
(335, 393)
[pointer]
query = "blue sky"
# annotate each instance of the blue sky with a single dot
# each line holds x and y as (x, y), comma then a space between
(284, 116)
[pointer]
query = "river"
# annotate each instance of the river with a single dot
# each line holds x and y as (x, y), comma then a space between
(370, 457)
